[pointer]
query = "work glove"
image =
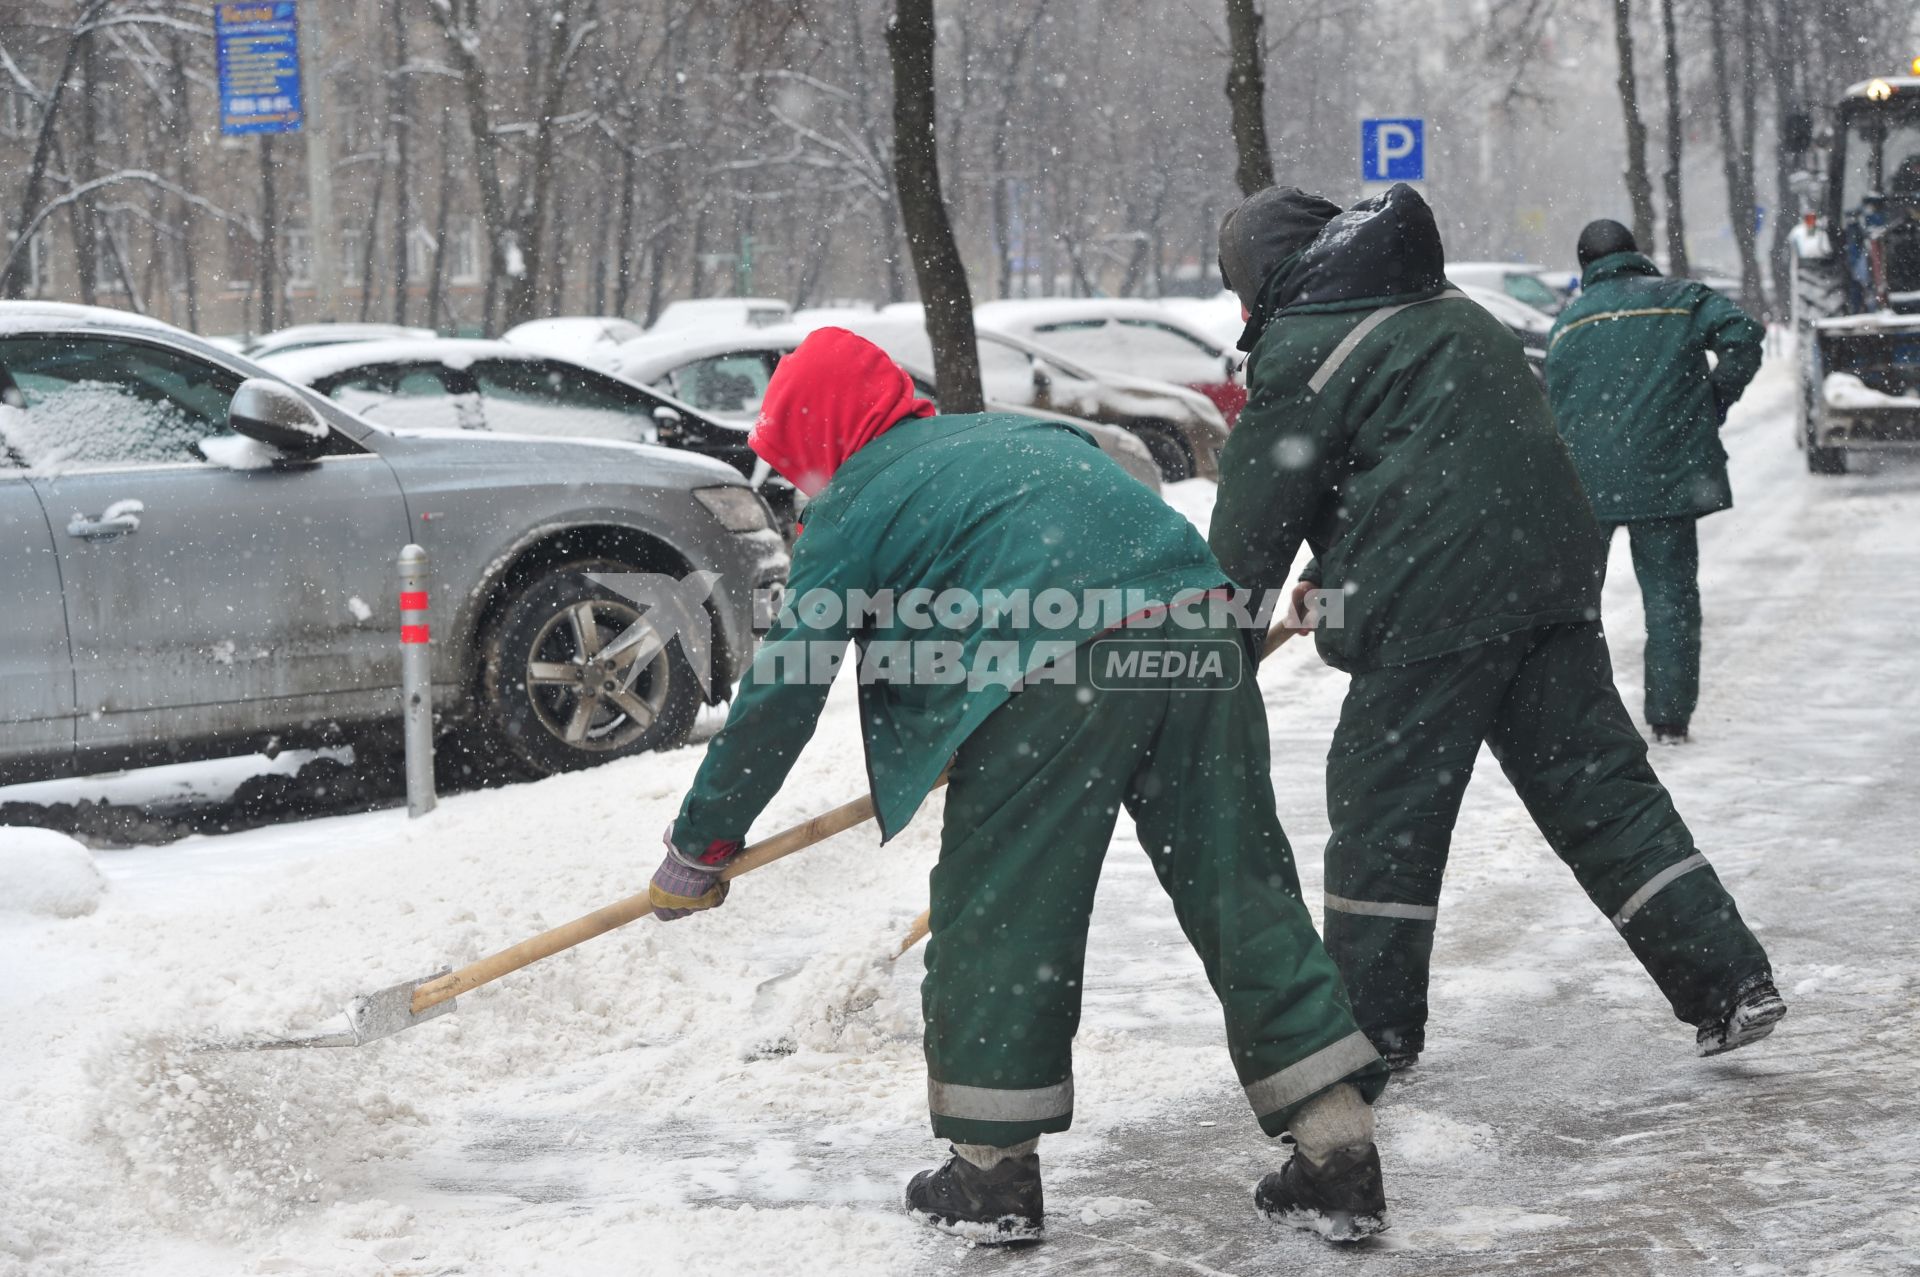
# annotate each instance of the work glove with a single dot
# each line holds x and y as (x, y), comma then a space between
(685, 884)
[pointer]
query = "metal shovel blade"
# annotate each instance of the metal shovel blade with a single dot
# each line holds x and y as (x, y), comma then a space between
(373, 1016)
(370, 1017)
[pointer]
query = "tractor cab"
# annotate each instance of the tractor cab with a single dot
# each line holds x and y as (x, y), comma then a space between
(1874, 175)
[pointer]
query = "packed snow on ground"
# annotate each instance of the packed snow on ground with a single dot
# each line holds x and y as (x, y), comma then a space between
(47, 874)
(742, 1092)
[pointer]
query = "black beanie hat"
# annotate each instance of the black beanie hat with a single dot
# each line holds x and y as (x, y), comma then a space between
(1604, 238)
(1264, 230)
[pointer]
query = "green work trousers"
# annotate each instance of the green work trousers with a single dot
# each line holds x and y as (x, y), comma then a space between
(1544, 701)
(1034, 797)
(1666, 559)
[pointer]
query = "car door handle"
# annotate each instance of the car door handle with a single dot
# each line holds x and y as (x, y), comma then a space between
(119, 519)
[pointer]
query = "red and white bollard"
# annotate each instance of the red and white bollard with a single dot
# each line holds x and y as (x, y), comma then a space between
(416, 680)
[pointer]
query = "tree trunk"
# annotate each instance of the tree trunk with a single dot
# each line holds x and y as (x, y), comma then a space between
(1751, 275)
(85, 219)
(1676, 138)
(1639, 184)
(269, 240)
(442, 227)
(181, 129)
(624, 250)
(1247, 96)
(916, 175)
(400, 109)
(1786, 49)
(368, 246)
(1740, 211)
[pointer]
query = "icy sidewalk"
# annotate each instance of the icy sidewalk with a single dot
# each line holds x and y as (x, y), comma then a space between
(743, 1093)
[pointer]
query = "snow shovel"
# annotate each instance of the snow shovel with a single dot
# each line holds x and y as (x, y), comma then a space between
(373, 1016)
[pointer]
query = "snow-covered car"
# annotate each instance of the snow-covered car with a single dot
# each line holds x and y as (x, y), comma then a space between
(585, 339)
(198, 558)
(714, 313)
(725, 375)
(1217, 316)
(1139, 337)
(304, 336)
(1181, 428)
(451, 383)
(1545, 290)
(1531, 326)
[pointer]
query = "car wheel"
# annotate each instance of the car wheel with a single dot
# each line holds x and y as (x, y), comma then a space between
(1168, 448)
(554, 700)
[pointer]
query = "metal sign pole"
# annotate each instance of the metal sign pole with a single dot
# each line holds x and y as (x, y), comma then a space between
(416, 680)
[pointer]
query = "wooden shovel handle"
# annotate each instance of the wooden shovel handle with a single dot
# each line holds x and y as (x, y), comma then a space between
(621, 912)
(1276, 639)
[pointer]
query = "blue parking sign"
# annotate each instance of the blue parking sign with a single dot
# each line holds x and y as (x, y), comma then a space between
(1393, 150)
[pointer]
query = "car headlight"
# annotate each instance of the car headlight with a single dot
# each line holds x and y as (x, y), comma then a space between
(738, 509)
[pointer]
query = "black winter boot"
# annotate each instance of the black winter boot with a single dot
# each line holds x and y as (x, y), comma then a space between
(1757, 1007)
(992, 1207)
(1342, 1199)
(1669, 733)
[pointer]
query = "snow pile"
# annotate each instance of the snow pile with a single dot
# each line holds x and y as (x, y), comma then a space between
(47, 874)
(1848, 393)
(237, 452)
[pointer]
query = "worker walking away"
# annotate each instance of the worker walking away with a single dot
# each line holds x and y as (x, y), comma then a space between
(1395, 427)
(1640, 406)
(906, 504)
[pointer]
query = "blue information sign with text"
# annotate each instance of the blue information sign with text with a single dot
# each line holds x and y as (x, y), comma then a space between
(1393, 150)
(259, 53)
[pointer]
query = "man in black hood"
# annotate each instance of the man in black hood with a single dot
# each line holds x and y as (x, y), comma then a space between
(1396, 428)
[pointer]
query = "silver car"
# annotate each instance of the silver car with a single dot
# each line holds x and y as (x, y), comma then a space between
(198, 558)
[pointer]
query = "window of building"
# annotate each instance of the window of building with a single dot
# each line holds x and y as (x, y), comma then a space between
(299, 259)
(420, 246)
(466, 254)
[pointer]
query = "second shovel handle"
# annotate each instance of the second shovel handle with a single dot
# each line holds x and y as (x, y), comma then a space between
(618, 914)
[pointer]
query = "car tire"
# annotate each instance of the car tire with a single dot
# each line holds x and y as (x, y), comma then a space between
(1168, 448)
(547, 705)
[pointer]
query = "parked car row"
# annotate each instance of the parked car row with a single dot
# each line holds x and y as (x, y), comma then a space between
(199, 558)
(725, 376)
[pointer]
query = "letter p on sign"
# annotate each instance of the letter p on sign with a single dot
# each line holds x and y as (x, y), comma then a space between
(1393, 150)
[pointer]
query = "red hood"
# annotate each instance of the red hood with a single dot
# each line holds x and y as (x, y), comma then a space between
(831, 397)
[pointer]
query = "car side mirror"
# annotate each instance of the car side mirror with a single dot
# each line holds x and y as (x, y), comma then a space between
(669, 421)
(1042, 382)
(277, 416)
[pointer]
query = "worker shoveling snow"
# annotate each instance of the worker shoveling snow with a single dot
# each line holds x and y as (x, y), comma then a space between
(681, 1100)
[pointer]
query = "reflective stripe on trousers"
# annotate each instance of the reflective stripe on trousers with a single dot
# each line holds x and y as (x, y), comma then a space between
(990, 1104)
(1305, 1078)
(1652, 887)
(1382, 908)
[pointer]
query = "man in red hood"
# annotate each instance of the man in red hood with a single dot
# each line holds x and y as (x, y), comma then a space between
(1022, 606)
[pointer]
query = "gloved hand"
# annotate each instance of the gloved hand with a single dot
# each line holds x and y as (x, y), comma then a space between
(686, 884)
